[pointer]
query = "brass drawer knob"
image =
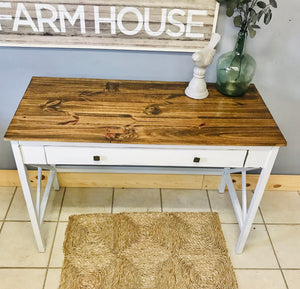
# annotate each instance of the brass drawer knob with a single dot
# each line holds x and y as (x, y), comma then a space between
(196, 160)
(96, 158)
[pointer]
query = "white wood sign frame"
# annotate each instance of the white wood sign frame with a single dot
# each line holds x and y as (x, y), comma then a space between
(170, 25)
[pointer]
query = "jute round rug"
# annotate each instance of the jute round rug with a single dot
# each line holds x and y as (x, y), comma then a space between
(146, 250)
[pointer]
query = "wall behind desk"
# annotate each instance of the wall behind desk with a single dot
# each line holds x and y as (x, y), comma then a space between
(275, 48)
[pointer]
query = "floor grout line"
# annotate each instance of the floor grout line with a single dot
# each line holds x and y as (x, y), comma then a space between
(235, 268)
(209, 202)
(53, 241)
(28, 221)
(282, 224)
(236, 223)
(229, 223)
(282, 274)
(258, 268)
(9, 206)
(19, 268)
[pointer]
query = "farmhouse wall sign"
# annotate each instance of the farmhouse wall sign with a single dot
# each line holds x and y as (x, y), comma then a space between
(172, 25)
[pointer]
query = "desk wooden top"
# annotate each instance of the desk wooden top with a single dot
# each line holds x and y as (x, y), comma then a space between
(139, 112)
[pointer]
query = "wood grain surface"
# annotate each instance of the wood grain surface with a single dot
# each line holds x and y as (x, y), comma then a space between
(140, 112)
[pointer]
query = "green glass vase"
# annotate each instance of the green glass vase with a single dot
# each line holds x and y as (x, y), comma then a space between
(235, 69)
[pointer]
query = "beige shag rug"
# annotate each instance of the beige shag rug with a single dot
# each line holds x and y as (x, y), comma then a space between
(146, 250)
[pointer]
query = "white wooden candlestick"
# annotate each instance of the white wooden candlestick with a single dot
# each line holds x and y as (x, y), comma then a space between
(202, 58)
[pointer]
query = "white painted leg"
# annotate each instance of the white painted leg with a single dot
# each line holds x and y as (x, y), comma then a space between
(25, 183)
(244, 195)
(55, 182)
(258, 193)
(222, 184)
(233, 196)
(46, 194)
(38, 191)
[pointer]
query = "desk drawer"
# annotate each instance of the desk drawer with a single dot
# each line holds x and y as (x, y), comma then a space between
(144, 156)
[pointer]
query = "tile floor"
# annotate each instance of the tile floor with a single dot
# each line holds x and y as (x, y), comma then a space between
(271, 258)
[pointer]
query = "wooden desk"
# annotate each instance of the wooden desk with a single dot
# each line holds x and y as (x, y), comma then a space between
(139, 126)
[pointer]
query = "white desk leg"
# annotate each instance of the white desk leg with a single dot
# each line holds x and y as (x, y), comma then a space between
(26, 187)
(46, 194)
(223, 183)
(258, 193)
(55, 182)
(244, 195)
(234, 198)
(38, 192)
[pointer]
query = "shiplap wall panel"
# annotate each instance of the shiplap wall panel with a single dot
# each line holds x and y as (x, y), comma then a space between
(170, 25)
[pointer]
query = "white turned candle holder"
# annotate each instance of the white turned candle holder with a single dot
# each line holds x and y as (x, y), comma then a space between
(197, 88)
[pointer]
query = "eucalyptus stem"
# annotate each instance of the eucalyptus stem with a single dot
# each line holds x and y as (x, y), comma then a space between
(247, 13)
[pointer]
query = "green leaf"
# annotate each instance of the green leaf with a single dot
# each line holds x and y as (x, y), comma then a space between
(233, 4)
(237, 20)
(273, 3)
(229, 11)
(255, 26)
(252, 12)
(254, 16)
(260, 13)
(252, 32)
(268, 17)
(261, 4)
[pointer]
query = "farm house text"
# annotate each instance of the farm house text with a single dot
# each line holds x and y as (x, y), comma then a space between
(55, 19)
